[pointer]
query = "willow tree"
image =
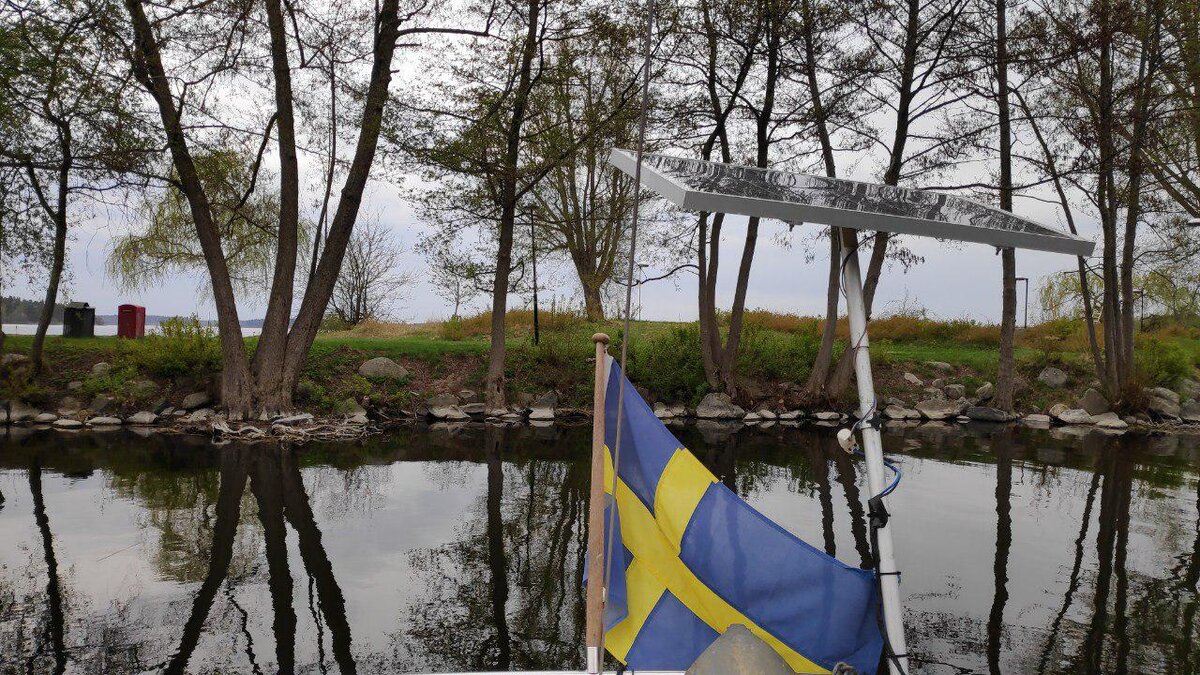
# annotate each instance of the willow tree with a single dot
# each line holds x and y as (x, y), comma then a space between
(222, 48)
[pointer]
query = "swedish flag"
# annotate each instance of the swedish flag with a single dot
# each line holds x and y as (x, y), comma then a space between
(691, 559)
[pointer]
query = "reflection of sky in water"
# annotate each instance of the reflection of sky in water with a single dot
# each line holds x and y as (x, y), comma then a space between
(413, 544)
(819, 191)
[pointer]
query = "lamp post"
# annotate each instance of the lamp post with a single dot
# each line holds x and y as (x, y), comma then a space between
(1026, 280)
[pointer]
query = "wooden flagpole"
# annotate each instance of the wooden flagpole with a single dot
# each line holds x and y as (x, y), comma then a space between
(594, 630)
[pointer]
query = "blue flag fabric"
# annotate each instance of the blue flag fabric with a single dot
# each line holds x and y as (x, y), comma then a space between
(691, 559)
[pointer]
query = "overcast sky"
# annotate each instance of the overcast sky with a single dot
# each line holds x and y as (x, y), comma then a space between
(954, 281)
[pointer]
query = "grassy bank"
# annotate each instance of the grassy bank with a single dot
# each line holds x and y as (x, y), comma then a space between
(777, 354)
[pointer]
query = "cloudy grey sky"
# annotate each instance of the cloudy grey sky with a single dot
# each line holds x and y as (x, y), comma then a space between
(954, 281)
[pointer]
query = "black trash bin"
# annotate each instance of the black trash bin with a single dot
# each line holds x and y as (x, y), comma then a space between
(79, 320)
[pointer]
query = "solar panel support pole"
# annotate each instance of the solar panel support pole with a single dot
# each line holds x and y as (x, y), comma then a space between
(893, 611)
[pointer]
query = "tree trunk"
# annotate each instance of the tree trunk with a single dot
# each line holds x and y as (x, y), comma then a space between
(593, 303)
(236, 389)
(815, 386)
(58, 215)
(1005, 367)
(273, 397)
(494, 386)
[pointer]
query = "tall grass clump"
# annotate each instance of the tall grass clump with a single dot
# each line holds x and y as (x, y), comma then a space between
(772, 355)
(669, 364)
(1161, 362)
(181, 347)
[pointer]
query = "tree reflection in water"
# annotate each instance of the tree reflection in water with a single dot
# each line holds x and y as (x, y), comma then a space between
(1092, 568)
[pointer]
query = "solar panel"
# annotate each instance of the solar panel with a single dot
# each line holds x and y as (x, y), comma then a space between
(696, 185)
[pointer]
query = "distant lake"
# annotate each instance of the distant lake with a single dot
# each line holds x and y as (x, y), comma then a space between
(101, 329)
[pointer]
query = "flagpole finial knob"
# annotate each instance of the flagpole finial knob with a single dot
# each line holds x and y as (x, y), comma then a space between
(602, 338)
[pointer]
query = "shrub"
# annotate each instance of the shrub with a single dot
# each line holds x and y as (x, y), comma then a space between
(670, 365)
(1161, 362)
(452, 329)
(772, 355)
(559, 361)
(181, 346)
(332, 322)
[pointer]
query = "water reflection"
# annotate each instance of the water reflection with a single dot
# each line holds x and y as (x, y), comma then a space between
(463, 548)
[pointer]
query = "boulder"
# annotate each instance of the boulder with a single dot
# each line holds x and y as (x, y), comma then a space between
(442, 401)
(717, 406)
(1075, 416)
(766, 414)
(791, 415)
(448, 412)
(104, 421)
(828, 416)
(473, 408)
(935, 393)
(142, 418)
(1190, 411)
(1189, 388)
(934, 409)
(1052, 377)
(195, 400)
(101, 369)
(141, 388)
(1163, 407)
(14, 360)
(469, 396)
(940, 366)
(1163, 393)
(45, 418)
(67, 423)
(548, 399)
(985, 391)
(294, 420)
(75, 385)
(1109, 420)
(981, 413)
(739, 652)
(19, 411)
(196, 415)
(664, 412)
(752, 418)
(68, 405)
(938, 383)
(382, 368)
(1036, 419)
(954, 391)
(541, 414)
(895, 412)
(1057, 409)
(1094, 402)
(100, 403)
(359, 419)
(913, 380)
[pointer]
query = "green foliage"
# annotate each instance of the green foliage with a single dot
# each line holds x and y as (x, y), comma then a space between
(452, 329)
(670, 365)
(332, 322)
(163, 242)
(112, 382)
(1162, 362)
(559, 361)
(771, 355)
(180, 347)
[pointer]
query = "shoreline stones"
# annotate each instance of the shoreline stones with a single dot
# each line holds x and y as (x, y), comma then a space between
(935, 409)
(1052, 377)
(383, 368)
(717, 406)
(195, 400)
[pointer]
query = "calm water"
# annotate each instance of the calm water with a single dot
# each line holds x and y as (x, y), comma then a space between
(1023, 551)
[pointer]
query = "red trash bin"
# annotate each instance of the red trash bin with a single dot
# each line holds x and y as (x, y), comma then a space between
(131, 321)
